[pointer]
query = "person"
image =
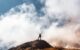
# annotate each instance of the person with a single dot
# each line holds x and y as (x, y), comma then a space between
(39, 38)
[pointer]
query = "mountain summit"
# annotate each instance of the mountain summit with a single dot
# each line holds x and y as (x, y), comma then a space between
(38, 45)
(33, 45)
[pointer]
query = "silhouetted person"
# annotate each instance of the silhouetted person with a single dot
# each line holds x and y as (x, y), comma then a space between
(39, 38)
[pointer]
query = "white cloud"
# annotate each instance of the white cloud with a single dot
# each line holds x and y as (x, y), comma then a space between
(69, 7)
(68, 10)
(16, 26)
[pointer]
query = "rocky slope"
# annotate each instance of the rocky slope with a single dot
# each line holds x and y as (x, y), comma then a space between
(38, 45)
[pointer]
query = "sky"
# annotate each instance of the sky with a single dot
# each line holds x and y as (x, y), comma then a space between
(5, 5)
(22, 21)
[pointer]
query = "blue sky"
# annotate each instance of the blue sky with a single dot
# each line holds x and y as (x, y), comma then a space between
(5, 5)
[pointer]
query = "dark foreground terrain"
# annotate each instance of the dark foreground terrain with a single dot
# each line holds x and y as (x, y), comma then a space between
(38, 45)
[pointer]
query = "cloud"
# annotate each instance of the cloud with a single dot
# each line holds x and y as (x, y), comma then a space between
(67, 13)
(70, 7)
(17, 27)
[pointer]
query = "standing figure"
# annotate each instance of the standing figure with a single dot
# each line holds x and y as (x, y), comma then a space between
(39, 38)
